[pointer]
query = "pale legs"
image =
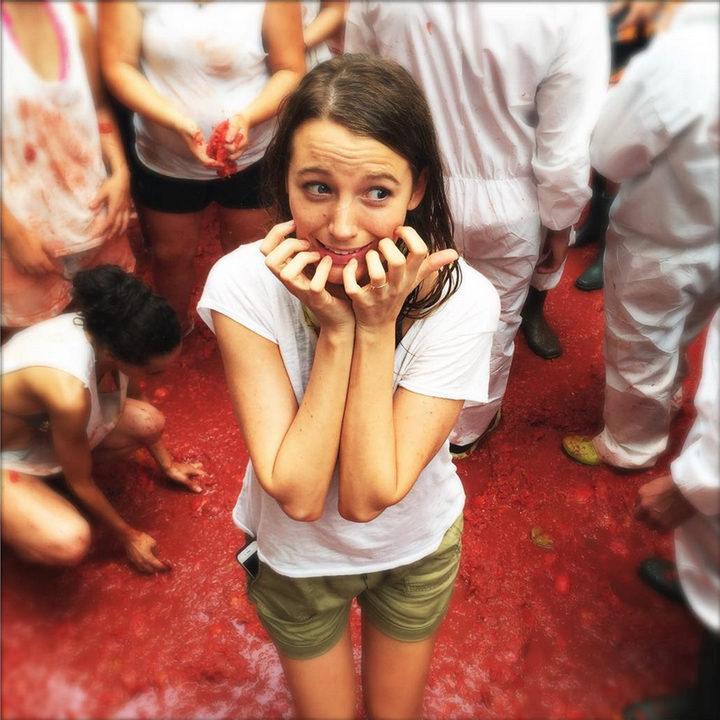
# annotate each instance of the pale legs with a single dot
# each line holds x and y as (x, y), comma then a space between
(39, 523)
(394, 677)
(238, 227)
(43, 526)
(174, 240)
(656, 303)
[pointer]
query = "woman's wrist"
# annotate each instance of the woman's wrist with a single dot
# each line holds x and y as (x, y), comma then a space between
(339, 335)
(184, 126)
(244, 118)
(120, 171)
(161, 456)
(375, 331)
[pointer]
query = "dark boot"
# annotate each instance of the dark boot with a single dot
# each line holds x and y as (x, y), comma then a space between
(676, 706)
(592, 278)
(661, 575)
(596, 223)
(539, 335)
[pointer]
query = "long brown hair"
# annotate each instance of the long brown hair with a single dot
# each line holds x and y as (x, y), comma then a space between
(375, 98)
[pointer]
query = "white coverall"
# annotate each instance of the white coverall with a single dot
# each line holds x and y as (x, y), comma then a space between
(658, 136)
(696, 473)
(514, 90)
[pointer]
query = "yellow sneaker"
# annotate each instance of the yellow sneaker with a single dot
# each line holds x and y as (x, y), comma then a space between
(581, 449)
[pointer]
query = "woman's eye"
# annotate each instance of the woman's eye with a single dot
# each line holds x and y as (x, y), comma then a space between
(378, 194)
(317, 188)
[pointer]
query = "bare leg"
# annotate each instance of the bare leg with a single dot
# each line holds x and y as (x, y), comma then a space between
(140, 425)
(394, 674)
(174, 239)
(238, 227)
(41, 525)
(323, 688)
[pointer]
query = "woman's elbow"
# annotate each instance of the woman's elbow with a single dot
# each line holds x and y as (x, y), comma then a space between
(362, 510)
(358, 514)
(301, 512)
(300, 505)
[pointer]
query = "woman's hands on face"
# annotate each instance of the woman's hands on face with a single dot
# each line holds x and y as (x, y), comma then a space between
(379, 302)
(291, 261)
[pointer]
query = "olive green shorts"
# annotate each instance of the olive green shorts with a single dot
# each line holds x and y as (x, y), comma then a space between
(306, 617)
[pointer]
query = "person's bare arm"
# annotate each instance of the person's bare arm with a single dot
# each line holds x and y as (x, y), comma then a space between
(68, 406)
(114, 193)
(282, 35)
(328, 22)
(186, 474)
(293, 447)
(387, 438)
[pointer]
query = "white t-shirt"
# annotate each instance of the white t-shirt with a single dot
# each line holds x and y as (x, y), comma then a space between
(445, 355)
(210, 62)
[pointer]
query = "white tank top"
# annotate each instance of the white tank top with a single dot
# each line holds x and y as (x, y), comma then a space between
(208, 60)
(52, 162)
(61, 343)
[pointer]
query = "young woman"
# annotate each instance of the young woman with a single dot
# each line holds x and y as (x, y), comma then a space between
(351, 335)
(184, 69)
(64, 388)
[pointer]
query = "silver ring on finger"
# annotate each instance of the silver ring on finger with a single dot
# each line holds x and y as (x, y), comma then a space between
(378, 287)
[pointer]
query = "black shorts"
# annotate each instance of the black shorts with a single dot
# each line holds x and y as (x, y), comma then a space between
(240, 191)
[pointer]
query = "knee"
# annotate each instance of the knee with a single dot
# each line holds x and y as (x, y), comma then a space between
(150, 424)
(66, 543)
(174, 253)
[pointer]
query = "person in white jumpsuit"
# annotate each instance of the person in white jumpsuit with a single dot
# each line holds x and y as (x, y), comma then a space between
(515, 90)
(658, 136)
(688, 499)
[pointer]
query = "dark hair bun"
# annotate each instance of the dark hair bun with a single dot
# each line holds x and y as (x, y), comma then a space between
(122, 313)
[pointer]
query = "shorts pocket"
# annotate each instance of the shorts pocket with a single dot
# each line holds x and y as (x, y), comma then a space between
(434, 571)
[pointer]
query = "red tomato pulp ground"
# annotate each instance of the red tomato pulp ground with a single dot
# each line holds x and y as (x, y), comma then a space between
(549, 619)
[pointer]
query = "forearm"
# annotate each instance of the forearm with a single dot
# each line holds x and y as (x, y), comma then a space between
(13, 231)
(161, 455)
(111, 143)
(93, 499)
(368, 460)
(133, 89)
(328, 21)
(267, 103)
(306, 460)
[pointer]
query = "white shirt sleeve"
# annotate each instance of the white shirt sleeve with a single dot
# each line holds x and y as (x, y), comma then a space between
(450, 357)
(696, 472)
(235, 287)
(655, 100)
(568, 103)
